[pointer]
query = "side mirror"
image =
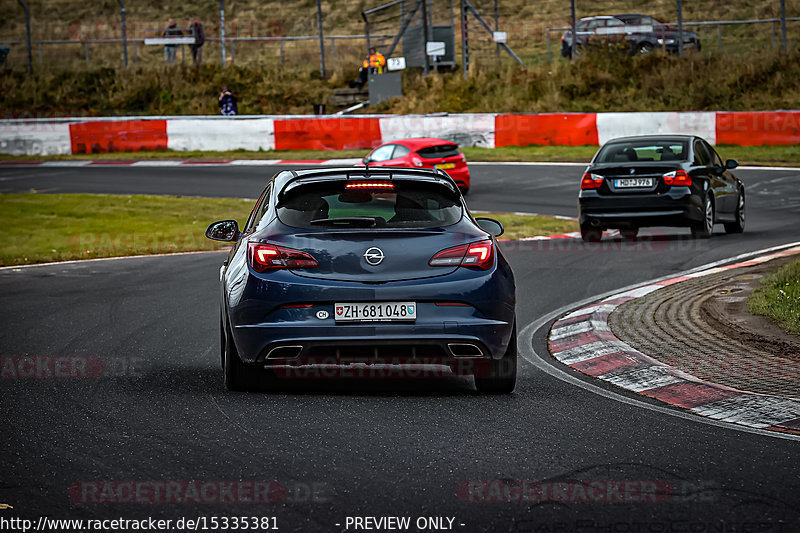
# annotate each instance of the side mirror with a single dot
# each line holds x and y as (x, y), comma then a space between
(491, 226)
(224, 230)
(730, 164)
(366, 160)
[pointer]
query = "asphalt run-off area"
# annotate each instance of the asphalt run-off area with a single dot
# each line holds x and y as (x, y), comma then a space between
(138, 424)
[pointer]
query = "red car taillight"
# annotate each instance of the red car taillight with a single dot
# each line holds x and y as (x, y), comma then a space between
(265, 257)
(591, 181)
(677, 178)
(478, 255)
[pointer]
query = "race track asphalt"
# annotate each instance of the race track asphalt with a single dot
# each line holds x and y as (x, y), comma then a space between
(359, 447)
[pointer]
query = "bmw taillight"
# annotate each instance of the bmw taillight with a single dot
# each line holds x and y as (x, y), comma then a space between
(591, 181)
(678, 178)
(478, 255)
(265, 257)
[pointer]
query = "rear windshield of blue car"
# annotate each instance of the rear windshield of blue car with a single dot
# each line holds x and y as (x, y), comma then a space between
(623, 152)
(408, 205)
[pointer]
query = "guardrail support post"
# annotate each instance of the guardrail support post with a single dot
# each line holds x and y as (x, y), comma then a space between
(719, 37)
(574, 24)
(783, 26)
(321, 41)
(464, 40)
(124, 33)
(549, 54)
(222, 29)
(425, 37)
(680, 27)
(281, 52)
(86, 52)
(27, 10)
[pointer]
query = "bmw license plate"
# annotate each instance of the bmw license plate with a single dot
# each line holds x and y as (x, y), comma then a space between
(445, 166)
(375, 312)
(633, 182)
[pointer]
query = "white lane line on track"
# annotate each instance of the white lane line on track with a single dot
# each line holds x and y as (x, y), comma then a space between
(119, 258)
(547, 364)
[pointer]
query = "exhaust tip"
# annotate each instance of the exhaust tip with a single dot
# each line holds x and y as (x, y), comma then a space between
(595, 222)
(285, 352)
(464, 350)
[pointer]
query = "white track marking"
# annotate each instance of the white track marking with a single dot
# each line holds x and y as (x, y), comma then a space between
(569, 375)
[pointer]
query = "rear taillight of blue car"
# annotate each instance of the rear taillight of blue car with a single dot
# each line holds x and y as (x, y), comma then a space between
(265, 257)
(479, 255)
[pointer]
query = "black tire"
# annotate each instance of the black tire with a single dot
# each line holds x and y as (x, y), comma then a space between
(590, 234)
(236, 375)
(704, 228)
(738, 225)
(629, 234)
(499, 376)
(222, 341)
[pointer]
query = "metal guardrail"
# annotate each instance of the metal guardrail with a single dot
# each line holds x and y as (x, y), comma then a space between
(228, 40)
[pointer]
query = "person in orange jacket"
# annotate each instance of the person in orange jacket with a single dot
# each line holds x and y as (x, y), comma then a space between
(374, 64)
(376, 61)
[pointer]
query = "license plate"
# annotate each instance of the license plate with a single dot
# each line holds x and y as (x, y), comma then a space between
(445, 166)
(375, 312)
(633, 182)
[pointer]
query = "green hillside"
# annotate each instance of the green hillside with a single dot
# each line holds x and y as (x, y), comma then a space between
(749, 72)
(526, 23)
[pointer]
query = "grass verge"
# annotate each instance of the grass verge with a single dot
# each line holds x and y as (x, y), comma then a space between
(778, 297)
(42, 228)
(746, 155)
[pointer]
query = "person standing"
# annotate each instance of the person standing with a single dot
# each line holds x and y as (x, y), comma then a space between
(227, 102)
(171, 50)
(199, 39)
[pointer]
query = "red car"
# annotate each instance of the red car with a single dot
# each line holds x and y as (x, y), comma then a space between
(423, 152)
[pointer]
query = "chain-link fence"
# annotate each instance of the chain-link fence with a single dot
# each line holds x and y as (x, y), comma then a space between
(72, 34)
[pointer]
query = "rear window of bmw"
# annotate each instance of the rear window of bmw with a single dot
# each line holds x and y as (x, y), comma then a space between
(623, 152)
(369, 204)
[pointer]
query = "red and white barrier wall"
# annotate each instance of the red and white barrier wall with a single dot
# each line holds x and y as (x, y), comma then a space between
(94, 135)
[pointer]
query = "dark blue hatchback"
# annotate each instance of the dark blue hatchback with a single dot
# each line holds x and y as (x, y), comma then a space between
(351, 267)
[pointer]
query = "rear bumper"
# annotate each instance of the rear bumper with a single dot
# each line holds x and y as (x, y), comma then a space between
(260, 324)
(678, 207)
(460, 175)
(432, 336)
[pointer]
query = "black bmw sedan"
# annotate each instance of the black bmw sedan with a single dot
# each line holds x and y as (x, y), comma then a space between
(659, 180)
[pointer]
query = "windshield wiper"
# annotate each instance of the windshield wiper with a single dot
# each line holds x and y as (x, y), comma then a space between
(363, 222)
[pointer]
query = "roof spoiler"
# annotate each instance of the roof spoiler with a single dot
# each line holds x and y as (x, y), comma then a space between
(437, 176)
